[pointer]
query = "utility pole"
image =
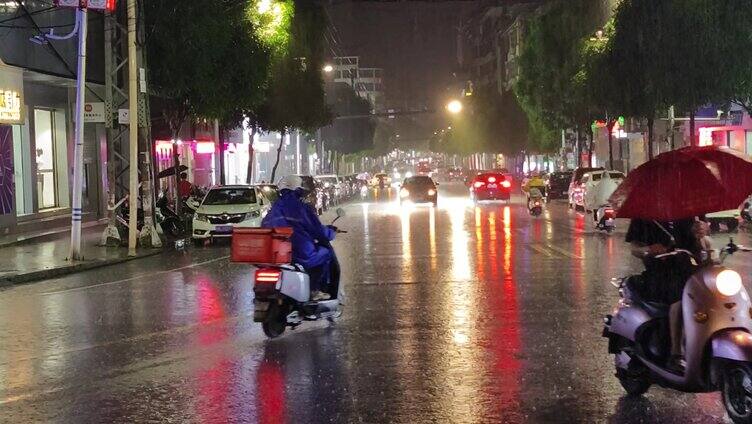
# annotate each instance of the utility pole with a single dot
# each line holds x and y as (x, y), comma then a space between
(133, 128)
(78, 150)
(123, 52)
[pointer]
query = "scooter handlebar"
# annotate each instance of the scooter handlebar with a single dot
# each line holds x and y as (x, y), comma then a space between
(672, 253)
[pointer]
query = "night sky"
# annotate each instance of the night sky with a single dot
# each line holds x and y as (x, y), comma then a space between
(415, 42)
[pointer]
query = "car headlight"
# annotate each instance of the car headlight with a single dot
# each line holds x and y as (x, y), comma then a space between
(728, 282)
(253, 214)
(408, 174)
(202, 217)
(404, 192)
(397, 175)
(431, 192)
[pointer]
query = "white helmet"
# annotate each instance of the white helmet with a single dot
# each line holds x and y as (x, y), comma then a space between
(290, 182)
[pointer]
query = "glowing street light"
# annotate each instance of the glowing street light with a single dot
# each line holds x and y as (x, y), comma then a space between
(454, 107)
(328, 68)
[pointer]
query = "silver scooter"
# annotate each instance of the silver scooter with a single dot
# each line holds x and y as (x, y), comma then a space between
(283, 295)
(717, 340)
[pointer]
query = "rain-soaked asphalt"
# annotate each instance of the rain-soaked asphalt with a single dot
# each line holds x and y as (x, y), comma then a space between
(456, 314)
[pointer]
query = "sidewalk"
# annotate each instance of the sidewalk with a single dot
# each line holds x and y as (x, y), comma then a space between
(45, 257)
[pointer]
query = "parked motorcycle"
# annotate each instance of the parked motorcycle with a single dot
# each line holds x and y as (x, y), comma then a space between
(283, 296)
(605, 218)
(717, 340)
(168, 220)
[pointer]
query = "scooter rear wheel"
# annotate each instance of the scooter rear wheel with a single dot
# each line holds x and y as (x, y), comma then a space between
(737, 392)
(276, 321)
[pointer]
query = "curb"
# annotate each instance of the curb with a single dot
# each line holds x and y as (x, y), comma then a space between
(28, 277)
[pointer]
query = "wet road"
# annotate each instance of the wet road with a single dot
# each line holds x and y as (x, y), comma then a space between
(454, 314)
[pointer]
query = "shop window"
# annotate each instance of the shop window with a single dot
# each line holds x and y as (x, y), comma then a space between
(749, 142)
(45, 159)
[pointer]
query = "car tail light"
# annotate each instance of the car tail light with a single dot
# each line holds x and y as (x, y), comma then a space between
(491, 179)
(479, 184)
(506, 184)
(267, 276)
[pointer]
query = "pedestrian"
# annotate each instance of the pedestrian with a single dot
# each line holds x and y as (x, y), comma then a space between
(185, 188)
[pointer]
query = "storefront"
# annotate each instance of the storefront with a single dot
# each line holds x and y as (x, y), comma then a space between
(12, 118)
(738, 138)
(35, 152)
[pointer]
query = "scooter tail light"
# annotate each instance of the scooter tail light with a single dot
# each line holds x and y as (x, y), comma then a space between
(268, 276)
(506, 184)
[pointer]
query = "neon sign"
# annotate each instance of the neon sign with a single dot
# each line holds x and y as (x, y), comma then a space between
(10, 106)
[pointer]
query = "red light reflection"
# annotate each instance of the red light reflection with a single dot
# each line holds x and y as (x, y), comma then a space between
(270, 389)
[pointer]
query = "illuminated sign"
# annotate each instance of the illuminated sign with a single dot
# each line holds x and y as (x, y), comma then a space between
(204, 147)
(10, 106)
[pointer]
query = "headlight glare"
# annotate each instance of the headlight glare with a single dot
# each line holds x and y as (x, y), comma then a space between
(728, 282)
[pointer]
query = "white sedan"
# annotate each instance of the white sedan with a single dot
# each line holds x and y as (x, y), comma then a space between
(226, 207)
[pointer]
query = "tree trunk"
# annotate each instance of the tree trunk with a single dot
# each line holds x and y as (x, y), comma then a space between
(221, 152)
(176, 166)
(692, 137)
(279, 153)
(590, 147)
(609, 128)
(651, 125)
(249, 169)
(578, 146)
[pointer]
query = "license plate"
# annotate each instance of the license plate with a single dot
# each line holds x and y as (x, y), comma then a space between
(223, 228)
(492, 186)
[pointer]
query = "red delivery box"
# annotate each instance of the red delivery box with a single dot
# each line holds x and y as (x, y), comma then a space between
(262, 245)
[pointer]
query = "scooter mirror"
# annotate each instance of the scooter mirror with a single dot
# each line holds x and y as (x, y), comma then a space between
(341, 213)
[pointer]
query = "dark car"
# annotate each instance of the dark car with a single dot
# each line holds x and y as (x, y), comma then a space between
(455, 174)
(490, 186)
(419, 189)
(575, 192)
(557, 185)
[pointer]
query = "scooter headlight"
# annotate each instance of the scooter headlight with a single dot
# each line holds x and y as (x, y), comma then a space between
(404, 193)
(728, 282)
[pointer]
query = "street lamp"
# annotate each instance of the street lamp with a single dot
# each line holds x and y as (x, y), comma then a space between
(328, 68)
(454, 107)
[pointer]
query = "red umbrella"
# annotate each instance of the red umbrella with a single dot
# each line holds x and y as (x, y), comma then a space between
(684, 183)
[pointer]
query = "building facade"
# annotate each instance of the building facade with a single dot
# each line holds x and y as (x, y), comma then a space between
(37, 97)
(366, 82)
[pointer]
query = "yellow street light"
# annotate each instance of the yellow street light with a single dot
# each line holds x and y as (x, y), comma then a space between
(454, 107)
